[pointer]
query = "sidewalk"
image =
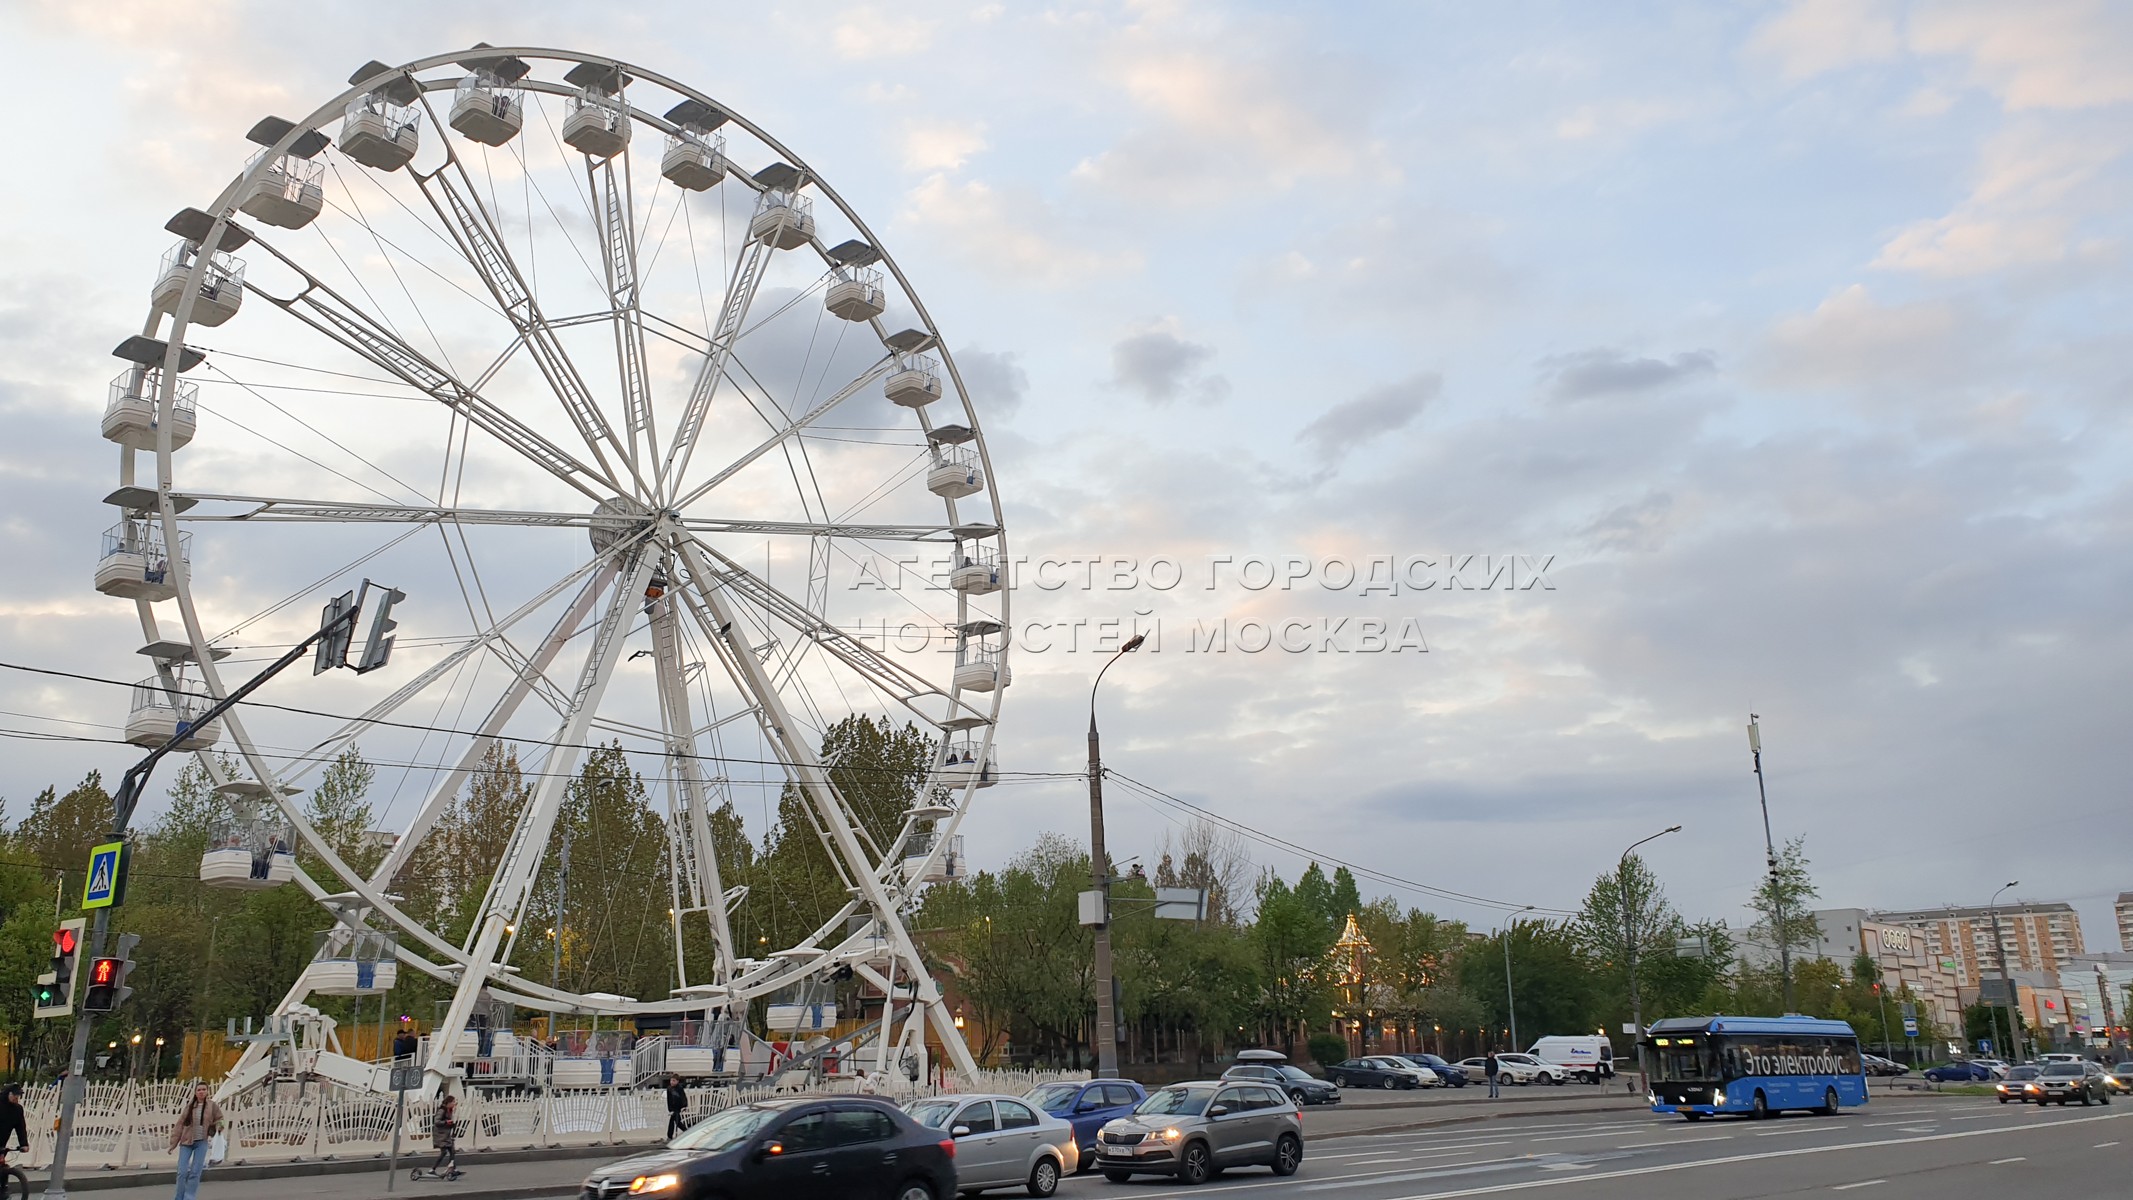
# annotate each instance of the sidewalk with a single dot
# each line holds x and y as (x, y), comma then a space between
(484, 1180)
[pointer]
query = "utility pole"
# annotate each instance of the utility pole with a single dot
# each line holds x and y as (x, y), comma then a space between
(2014, 1028)
(2110, 1017)
(1777, 894)
(336, 630)
(1510, 1001)
(1100, 874)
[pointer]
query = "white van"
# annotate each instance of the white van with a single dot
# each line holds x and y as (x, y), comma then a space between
(1588, 1059)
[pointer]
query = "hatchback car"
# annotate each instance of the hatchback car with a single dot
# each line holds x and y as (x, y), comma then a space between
(811, 1148)
(2020, 1084)
(1298, 1086)
(2066, 1082)
(1087, 1106)
(1380, 1072)
(1195, 1130)
(1001, 1141)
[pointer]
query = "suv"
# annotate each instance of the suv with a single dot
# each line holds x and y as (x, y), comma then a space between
(1524, 1068)
(1193, 1130)
(2066, 1082)
(1301, 1088)
(1086, 1106)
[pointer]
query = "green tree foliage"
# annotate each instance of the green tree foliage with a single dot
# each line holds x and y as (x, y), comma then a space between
(1549, 976)
(1789, 889)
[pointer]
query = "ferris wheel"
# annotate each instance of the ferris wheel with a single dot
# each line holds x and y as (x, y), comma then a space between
(660, 428)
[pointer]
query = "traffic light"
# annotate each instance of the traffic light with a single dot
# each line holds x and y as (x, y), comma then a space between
(337, 622)
(107, 977)
(53, 995)
(379, 646)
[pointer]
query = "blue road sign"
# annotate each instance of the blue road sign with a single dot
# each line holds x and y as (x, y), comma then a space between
(103, 887)
(1984, 1045)
(1910, 1027)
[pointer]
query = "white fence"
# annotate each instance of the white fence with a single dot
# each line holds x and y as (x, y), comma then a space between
(128, 1125)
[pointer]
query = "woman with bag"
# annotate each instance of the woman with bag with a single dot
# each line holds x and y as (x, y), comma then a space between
(199, 1124)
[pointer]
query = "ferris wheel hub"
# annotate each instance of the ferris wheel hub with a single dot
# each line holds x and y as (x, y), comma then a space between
(616, 518)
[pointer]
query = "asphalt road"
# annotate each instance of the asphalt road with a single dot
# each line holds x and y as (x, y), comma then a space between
(1891, 1149)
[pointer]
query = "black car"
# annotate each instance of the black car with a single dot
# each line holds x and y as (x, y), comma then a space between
(813, 1148)
(1377, 1072)
(1301, 1087)
(1446, 1072)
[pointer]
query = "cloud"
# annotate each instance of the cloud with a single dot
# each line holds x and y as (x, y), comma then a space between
(1603, 371)
(2039, 54)
(1162, 367)
(1334, 433)
(1011, 234)
(2036, 191)
(995, 379)
(1406, 261)
(1813, 36)
(867, 32)
(1853, 342)
(941, 146)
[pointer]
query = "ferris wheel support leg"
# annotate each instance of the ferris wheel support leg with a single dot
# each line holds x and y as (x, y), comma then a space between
(829, 809)
(686, 774)
(522, 861)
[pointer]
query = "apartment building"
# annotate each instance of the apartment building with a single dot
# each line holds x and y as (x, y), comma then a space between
(1902, 954)
(2124, 909)
(2035, 937)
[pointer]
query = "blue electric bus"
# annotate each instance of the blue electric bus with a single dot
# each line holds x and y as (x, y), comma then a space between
(1753, 1065)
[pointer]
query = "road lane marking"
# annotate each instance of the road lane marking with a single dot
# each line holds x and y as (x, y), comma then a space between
(1566, 1166)
(1794, 1152)
(1716, 1137)
(1878, 1124)
(2001, 1162)
(2105, 1145)
(1845, 1187)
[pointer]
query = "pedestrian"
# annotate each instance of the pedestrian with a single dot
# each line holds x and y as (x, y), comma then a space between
(1489, 1069)
(404, 1043)
(677, 1106)
(444, 1135)
(198, 1123)
(14, 1121)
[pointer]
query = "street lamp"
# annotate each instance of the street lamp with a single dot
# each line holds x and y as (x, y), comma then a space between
(2013, 1034)
(1629, 942)
(1510, 1002)
(1777, 896)
(1100, 872)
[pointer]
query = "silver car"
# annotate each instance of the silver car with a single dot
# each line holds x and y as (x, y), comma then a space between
(1194, 1130)
(1001, 1141)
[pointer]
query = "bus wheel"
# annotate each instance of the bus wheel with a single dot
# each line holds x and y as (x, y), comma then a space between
(1762, 1107)
(1829, 1102)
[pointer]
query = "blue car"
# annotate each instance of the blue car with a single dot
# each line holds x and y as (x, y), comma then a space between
(1961, 1072)
(1086, 1106)
(1455, 1076)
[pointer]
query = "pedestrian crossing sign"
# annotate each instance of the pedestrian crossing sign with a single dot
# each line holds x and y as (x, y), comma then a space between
(107, 876)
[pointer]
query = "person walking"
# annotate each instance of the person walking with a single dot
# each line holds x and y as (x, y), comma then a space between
(198, 1123)
(677, 1106)
(404, 1044)
(1490, 1069)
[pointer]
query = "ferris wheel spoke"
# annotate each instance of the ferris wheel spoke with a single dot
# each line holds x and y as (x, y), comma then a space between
(279, 508)
(341, 321)
(520, 866)
(452, 195)
(887, 533)
(740, 296)
(790, 430)
(618, 229)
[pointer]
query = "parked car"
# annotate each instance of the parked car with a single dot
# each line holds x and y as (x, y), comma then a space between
(1293, 1081)
(1192, 1130)
(800, 1149)
(1446, 1072)
(2020, 1084)
(1378, 1072)
(1524, 1068)
(1086, 1106)
(2121, 1077)
(1960, 1072)
(2059, 1057)
(1001, 1141)
(2066, 1082)
(1588, 1058)
(1477, 1069)
(1877, 1065)
(1998, 1067)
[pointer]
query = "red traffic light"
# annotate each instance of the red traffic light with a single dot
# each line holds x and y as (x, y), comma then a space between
(64, 940)
(103, 972)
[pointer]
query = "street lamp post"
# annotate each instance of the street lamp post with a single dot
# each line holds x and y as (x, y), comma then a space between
(2014, 1031)
(1777, 896)
(1510, 1001)
(1100, 872)
(1629, 944)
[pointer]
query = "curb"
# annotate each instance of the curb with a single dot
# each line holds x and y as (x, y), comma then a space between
(100, 1179)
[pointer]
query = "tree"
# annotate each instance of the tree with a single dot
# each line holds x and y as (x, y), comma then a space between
(1212, 859)
(1550, 976)
(1626, 918)
(1788, 889)
(1290, 940)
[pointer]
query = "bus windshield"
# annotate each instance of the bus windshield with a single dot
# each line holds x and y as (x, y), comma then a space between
(1683, 1060)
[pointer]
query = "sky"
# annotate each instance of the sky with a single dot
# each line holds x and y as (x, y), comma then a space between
(1702, 359)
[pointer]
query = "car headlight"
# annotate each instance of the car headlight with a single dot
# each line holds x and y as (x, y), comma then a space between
(1171, 1134)
(647, 1184)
